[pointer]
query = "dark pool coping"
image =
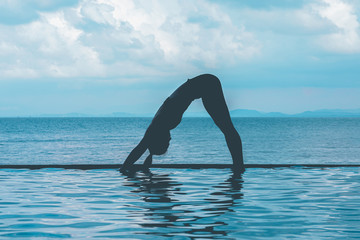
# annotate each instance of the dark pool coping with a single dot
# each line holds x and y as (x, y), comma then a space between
(181, 166)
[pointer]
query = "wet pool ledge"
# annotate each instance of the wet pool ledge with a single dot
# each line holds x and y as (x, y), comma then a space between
(181, 166)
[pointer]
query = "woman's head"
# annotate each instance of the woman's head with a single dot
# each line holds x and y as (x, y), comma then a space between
(159, 141)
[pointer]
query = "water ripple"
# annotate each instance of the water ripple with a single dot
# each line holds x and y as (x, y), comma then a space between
(185, 204)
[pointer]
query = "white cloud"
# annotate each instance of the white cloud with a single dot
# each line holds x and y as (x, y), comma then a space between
(47, 47)
(111, 38)
(346, 36)
(333, 25)
(163, 29)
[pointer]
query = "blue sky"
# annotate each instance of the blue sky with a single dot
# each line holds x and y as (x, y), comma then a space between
(104, 56)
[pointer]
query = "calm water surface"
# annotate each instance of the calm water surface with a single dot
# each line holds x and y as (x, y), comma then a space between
(181, 204)
(195, 140)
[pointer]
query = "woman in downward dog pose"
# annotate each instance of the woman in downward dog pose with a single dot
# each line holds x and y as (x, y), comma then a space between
(157, 136)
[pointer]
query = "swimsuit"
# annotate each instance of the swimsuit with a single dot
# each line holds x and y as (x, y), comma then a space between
(171, 111)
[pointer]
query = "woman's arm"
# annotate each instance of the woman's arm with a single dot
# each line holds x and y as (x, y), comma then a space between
(134, 155)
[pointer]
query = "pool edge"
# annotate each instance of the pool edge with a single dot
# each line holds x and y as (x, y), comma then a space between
(180, 166)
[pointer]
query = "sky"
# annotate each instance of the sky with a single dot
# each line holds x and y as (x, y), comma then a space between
(104, 56)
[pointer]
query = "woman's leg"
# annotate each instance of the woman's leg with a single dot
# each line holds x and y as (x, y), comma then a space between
(214, 103)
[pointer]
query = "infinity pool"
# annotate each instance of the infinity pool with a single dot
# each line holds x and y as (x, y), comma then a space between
(180, 204)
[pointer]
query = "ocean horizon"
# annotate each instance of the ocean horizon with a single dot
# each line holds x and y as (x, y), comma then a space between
(320, 113)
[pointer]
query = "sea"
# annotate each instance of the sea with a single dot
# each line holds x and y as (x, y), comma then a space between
(262, 203)
(195, 140)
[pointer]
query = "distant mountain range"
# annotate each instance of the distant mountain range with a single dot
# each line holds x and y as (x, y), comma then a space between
(115, 114)
(317, 113)
(233, 113)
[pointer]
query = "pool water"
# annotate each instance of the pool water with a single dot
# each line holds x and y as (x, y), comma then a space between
(306, 203)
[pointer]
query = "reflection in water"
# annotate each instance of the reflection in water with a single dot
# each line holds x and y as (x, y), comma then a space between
(169, 208)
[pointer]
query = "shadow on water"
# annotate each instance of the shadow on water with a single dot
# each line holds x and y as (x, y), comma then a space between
(168, 208)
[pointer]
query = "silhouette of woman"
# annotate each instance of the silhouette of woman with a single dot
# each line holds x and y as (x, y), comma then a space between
(157, 136)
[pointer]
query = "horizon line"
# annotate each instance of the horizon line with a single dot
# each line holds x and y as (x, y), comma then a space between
(354, 112)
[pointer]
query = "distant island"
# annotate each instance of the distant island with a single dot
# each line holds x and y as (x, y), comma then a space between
(310, 114)
(317, 113)
(233, 113)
